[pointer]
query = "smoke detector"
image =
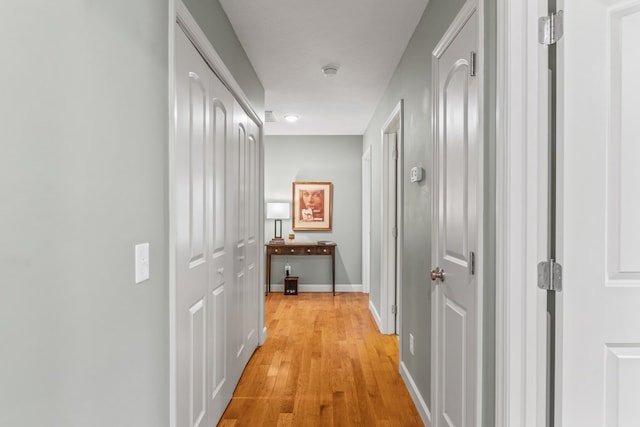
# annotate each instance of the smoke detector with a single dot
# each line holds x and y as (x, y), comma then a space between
(329, 70)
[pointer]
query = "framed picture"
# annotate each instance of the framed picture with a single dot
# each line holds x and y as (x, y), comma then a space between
(312, 205)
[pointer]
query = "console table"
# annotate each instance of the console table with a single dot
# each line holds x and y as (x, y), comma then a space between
(302, 249)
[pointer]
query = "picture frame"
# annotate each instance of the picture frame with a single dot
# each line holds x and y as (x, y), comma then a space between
(312, 205)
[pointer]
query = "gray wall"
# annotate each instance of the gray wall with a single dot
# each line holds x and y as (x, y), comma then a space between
(214, 22)
(412, 82)
(83, 178)
(319, 158)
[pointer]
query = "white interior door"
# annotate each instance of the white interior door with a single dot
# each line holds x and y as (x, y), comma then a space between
(598, 380)
(253, 248)
(245, 291)
(457, 203)
(221, 385)
(192, 198)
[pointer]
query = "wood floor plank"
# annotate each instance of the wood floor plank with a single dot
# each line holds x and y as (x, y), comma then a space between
(324, 364)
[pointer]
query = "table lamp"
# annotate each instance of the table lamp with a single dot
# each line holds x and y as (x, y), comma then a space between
(278, 212)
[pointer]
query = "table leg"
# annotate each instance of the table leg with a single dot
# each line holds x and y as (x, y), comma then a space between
(333, 271)
(268, 271)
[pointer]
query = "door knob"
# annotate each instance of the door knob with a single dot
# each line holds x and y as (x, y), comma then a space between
(437, 274)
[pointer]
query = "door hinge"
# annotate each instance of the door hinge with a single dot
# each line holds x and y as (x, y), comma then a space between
(472, 64)
(550, 28)
(550, 276)
(472, 263)
(394, 309)
(394, 232)
(395, 154)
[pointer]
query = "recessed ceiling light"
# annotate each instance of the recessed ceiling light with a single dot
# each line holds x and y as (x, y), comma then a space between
(291, 118)
(330, 70)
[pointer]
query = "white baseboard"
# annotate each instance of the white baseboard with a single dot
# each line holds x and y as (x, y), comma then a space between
(319, 288)
(376, 316)
(415, 395)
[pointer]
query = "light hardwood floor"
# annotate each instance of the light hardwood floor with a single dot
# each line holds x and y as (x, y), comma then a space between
(324, 364)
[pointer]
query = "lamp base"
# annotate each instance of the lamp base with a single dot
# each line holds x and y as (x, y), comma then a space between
(277, 241)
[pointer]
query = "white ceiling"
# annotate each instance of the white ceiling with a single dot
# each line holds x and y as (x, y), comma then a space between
(289, 41)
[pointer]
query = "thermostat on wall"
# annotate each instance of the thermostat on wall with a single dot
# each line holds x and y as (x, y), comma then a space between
(416, 174)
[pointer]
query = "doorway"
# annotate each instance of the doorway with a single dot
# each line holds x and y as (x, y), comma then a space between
(391, 213)
(578, 160)
(366, 220)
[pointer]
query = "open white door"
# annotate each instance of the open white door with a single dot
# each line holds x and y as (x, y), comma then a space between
(457, 320)
(598, 370)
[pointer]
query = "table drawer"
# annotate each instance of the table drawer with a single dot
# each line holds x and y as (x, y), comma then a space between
(324, 250)
(280, 250)
(295, 251)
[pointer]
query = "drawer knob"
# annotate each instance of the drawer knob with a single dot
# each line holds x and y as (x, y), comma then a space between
(324, 250)
(292, 250)
(308, 251)
(276, 250)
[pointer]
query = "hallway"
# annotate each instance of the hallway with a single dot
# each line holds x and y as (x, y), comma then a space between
(324, 363)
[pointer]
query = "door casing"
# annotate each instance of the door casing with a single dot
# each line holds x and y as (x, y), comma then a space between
(391, 271)
(521, 214)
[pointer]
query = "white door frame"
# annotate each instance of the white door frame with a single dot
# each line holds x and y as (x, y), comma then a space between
(178, 12)
(366, 220)
(391, 256)
(521, 206)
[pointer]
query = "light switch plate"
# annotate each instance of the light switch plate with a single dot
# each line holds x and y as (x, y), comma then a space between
(142, 262)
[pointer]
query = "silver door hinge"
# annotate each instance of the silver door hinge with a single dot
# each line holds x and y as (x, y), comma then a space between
(550, 276)
(394, 232)
(395, 154)
(472, 64)
(394, 309)
(550, 28)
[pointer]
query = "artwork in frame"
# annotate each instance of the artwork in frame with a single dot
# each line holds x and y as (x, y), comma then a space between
(312, 205)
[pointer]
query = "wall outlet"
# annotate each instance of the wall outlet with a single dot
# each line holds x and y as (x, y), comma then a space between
(411, 344)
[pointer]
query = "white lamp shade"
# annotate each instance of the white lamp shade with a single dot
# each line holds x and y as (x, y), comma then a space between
(278, 211)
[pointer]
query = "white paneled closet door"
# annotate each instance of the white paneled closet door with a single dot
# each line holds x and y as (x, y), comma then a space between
(216, 184)
(246, 290)
(253, 251)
